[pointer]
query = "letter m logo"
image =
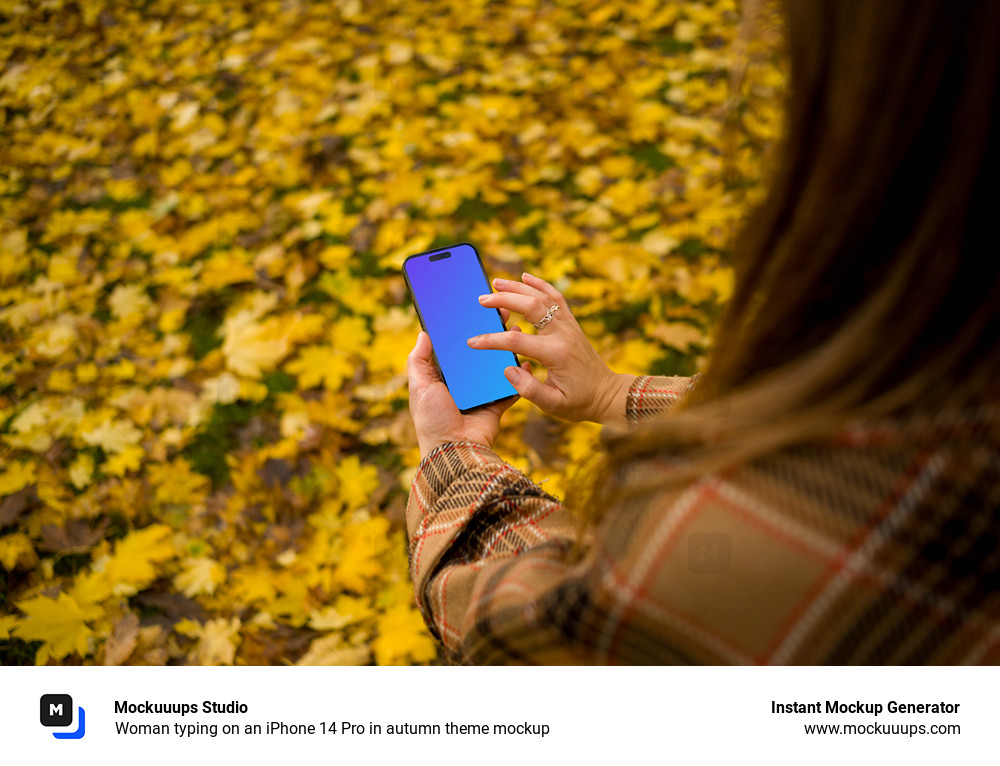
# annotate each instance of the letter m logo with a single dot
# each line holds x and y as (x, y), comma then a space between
(709, 553)
(56, 710)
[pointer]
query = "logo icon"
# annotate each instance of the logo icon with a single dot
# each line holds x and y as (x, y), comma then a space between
(709, 553)
(57, 710)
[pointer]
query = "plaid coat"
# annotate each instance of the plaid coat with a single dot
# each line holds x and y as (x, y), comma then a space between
(878, 545)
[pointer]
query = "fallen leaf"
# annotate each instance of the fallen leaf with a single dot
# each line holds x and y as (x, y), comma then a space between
(123, 639)
(75, 536)
(60, 622)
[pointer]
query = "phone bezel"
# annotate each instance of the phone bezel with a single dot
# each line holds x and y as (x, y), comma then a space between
(416, 306)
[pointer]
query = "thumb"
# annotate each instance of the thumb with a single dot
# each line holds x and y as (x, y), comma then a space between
(529, 387)
(419, 367)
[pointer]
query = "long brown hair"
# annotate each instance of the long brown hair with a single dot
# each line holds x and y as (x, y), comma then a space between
(868, 280)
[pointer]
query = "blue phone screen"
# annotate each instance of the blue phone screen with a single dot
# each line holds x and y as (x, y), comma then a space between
(446, 285)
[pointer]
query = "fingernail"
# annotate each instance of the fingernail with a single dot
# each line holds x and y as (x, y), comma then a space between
(512, 374)
(499, 281)
(526, 274)
(482, 298)
(473, 341)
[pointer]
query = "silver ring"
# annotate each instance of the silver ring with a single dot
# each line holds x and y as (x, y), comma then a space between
(547, 318)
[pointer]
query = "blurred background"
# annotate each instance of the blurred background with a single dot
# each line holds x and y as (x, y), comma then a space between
(205, 448)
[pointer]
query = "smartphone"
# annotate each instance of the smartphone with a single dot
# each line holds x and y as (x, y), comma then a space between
(446, 285)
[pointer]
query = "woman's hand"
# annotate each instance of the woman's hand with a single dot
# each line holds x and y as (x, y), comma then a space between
(579, 385)
(435, 416)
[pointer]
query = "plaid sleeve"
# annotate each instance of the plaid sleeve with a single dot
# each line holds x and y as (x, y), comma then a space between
(651, 395)
(470, 517)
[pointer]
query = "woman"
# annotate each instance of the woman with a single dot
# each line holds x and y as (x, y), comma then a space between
(829, 490)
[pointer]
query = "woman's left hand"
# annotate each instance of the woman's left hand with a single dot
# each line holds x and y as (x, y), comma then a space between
(435, 416)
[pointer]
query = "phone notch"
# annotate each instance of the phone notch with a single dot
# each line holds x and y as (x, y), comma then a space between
(439, 256)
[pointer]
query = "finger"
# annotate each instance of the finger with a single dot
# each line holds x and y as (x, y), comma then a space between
(420, 364)
(535, 346)
(530, 388)
(513, 286)
(544, 287)
(505, 315)
(531, 307)
(421, 351)
(506, 404)
(502, 406)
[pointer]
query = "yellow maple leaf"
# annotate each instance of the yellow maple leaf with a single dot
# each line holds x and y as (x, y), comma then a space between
(226, 268)
(399, 590)
(112, 435)
(335, 256)
(16, 550)
(637, 355)
(133, 565)
(253, 585)
(200, 575)
(177, 483)
(16, 477)
(61, 380)
(294, 604)
(129, 303)
(253, 390)
(123, 370)
(659, 242)
(350, 335)
(90, 588)
(583, 440)
(81, 470)
(362, 545)
(394, 336)
(172, 319)
(86, 372)
(345, 611)
(223, 389)
(356, 481)
(188, 628)
(129, 459)
(679, 335)
(55, 339)
(331, 650)
(362, 296)
(720, 280)
(251, 347)
(60, 622)
(402, 638)
(217, 639)
(334, 221)
(321, 364)
(217, 642)
(32, 430)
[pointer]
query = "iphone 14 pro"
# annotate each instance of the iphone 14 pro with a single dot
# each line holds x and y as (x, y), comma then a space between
(446, 285)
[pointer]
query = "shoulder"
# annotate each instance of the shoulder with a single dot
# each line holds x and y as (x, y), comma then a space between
(789, 556)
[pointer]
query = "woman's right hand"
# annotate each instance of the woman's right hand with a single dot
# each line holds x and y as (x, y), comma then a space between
(579, 385)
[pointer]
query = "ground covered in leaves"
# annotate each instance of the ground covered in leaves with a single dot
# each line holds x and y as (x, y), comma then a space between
(204, 204)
